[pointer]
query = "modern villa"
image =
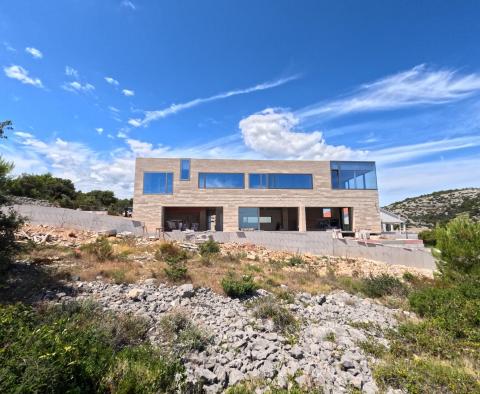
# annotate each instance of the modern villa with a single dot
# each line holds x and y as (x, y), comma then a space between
(266, 195)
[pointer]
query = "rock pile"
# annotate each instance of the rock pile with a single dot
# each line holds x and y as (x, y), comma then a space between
(50, 235)
(324, 352)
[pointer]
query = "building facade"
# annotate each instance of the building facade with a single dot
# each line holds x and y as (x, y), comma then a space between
(268, 195)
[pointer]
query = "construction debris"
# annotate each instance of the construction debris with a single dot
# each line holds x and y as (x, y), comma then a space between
(48, 235)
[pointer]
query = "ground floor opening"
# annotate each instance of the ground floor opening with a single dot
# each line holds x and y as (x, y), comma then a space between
(193, 218)
(268, 218)
(322, 219)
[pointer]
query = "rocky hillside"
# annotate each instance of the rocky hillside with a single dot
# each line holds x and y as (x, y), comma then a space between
(438, 207)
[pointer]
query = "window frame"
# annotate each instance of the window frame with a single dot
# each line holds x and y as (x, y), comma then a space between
(167, 173)
(204, 186)
(189, 170)
(266, 176)
(338, 170)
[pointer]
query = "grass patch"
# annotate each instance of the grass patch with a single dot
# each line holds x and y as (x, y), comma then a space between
(101, 249)
(383, 285)
(424, 376)
(373, 348)
(182, 334)
(269, 308)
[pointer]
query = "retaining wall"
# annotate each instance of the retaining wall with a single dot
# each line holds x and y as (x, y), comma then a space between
(70, 218)
(322, 243)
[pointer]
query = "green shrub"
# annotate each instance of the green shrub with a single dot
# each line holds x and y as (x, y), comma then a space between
(209, 247)
(66, 348)
(100, 248)
(295, 260)
(408, 277)
(459, 243)
(238, 287)
(428, 237)
(176, 271)
(455, 308)
(182, 333)
(286, 296)
(382, 285)
(269, 308)
(168, 251)
(372, 347)
(144, 370)
(424, 376)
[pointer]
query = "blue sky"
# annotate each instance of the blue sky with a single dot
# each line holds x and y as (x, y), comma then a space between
(92, 84)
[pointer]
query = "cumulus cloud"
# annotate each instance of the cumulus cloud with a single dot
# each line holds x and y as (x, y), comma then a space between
(99, 130)
(71, 72)
(272, 133)
(420, 85)
(20, 74)
(151, 116)
(34, 52)
(128, 93)
(112, 81)
(77, 87)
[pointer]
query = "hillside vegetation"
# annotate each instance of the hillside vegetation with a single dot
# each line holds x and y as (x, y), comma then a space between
(439, 207)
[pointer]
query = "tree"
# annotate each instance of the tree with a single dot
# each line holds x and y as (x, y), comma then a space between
(4, 126)
(10, 221)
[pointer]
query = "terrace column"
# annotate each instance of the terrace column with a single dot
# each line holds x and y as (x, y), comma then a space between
(302, 221)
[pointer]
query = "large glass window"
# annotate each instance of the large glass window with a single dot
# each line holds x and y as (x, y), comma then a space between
(280, 181)
(185, 169)
(248, 218)
(157, 183)
(212, 180)
(353, 175)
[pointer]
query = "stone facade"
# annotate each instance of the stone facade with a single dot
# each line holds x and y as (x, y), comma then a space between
(150, 208)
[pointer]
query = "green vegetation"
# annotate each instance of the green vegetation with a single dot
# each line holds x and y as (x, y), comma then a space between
(62, 192)
(182, 334)
(100, 248)
(269, 308)
(428, 237)
(236, 287)
(9, 219)
(382, 285)
(441, 353)
(295, 260)
(79, 348)
(176, 259)
(209, 247)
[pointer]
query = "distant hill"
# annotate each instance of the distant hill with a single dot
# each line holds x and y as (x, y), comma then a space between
(438, 207)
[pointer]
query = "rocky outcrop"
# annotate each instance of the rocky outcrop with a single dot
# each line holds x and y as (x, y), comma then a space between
(324, 352)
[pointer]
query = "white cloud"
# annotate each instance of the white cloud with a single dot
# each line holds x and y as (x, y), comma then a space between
(112, 81)
(135, 122)
(99, 130)
(121, 134)
(128, 4)
(37, 54)
(128, 93)
(418, 86)
(20, 74)
(272, 133)
(113, 109)
(71, 72)
(8, 47)
(174, 108)
(76, 87)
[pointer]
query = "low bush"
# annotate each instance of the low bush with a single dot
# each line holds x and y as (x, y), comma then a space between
(176, 271)
(70, 348)
(372, 347)
(295, 260)
(209, 247)
(382, 285)
(182, 333)
(100, 248)
(455, 308)
(269, 308)
(175, 258)
(428, 237)
(237, 287)
(424, 376)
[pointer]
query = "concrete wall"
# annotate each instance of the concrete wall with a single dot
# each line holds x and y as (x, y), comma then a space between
(70, 218)
(149, 208)
(322, 243)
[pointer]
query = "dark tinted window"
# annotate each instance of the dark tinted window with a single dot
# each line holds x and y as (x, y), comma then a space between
(184, 169)
(280, 181)
(212, 180)
(158, 183)
(353, 175)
